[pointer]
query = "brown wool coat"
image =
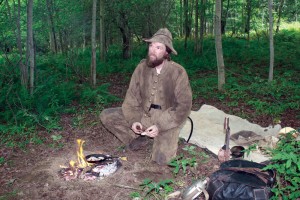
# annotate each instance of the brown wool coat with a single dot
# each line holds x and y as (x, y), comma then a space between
(170, 89)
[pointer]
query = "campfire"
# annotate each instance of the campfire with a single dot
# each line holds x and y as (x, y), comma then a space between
(90, 167)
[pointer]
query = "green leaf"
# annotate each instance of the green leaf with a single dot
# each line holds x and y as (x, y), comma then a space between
(56, 137)
(288, 163)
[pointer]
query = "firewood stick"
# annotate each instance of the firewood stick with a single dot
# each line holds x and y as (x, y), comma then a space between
(127, 187)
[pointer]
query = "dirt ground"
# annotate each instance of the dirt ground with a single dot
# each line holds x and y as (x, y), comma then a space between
(33, 174)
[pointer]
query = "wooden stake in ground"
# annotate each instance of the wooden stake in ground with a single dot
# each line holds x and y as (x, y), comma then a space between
(224, 152)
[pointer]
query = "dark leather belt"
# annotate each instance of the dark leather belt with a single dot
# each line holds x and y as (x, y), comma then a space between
(154, 106)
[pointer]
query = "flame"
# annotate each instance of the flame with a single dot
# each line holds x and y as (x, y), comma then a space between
(72, 164)
(80, 156)
(81, 161)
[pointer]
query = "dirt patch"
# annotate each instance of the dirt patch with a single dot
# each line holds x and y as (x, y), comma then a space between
(34, 174)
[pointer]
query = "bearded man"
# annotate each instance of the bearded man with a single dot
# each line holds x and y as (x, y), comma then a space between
(157, 102)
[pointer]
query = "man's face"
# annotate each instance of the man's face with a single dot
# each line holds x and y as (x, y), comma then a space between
(156, 54)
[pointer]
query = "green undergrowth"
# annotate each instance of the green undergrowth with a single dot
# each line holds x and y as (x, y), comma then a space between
(286, 162)
(247, 68)
(62, 83)
(58, 90)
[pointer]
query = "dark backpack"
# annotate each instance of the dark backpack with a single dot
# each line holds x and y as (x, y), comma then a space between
(240, 180)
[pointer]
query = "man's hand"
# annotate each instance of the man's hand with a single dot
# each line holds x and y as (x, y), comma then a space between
(137, 127)
(152, 131)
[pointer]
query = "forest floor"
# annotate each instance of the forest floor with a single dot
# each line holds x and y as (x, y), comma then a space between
(33, 174)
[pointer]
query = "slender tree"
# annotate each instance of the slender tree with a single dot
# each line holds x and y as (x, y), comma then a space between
(16, 29)
(125, 31)
(181, 18)
(202, 25)
(218, 44)
(279, 15)
(186, 22)
(53, 43)
(197, 45)
(102, 31)
(248, 18)
(224, 16)
(30, 43)
(270, 2)
(93, 36)
(211, 23)
(23, 68)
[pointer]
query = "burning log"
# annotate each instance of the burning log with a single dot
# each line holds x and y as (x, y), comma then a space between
(72, 172)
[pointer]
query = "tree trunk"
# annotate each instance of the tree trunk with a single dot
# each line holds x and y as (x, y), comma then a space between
(93, 36)
(53, 43)
(30, 47)
(218, 43)
(211, 27)
(125, 31)
(197, 45)
(234, 18)
(17, 32)
(61, 41)
(224, 16)
(102, 32)
(181, 18)
(271, 40)
(279, 15)
(13, 28)
(84, 39)
(186, 22)
(202, 25)
(23, 68)
(247, 27)
(10, 17)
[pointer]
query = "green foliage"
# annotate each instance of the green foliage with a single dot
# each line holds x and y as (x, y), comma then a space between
(56, 141)
(246, 85)
(286, 162)
(180, 162)
(162, 188)
(21, 113)
(190, 150)
(2, 160)
(251, 148)
(10, 195)
(135, 195)
(188, 160)
(288, 52)
(98, 96)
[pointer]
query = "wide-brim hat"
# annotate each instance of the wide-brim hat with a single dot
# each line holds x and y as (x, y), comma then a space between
(163, 36)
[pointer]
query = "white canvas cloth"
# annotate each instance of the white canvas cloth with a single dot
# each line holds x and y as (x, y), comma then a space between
(208, 130)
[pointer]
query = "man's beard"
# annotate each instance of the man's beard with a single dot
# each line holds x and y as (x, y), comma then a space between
(154, 63)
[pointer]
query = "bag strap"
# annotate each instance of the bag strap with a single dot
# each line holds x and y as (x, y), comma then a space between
(263, 175)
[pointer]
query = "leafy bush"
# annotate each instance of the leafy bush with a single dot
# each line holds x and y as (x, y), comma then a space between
(162, 188)
(286, 162)
(21, 113)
